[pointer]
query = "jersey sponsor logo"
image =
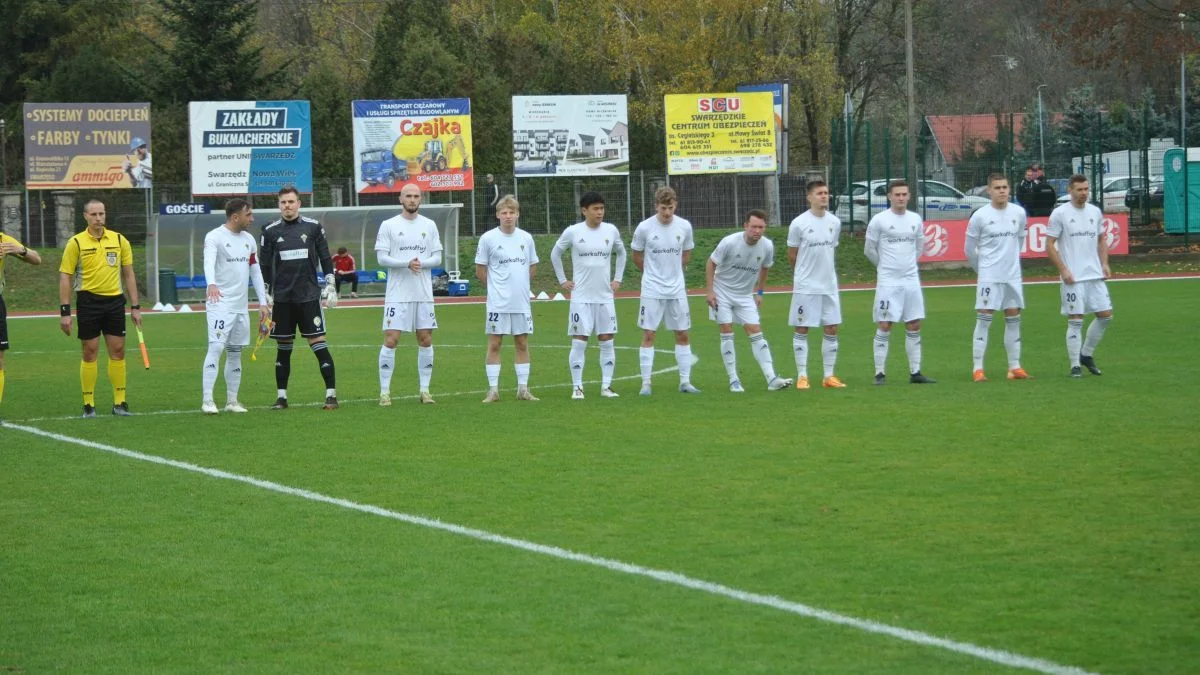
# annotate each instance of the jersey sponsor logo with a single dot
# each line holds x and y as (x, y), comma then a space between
(294, 254)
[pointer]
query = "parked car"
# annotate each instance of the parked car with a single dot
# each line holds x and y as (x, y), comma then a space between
(936, 200)
(1137, 195)
(1114, 190)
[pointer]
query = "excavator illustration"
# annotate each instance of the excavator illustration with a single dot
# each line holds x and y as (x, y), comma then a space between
(435, 158)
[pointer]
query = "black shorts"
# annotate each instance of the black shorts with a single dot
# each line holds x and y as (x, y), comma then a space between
(3, 324)
(100, 314)
(306, 316)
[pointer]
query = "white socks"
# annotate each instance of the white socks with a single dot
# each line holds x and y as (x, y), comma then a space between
(575, 359)
(762, 354)
(912, 347)
(608, 363)
(881, 349)
(646, 363)
(829, 350)
(1012, 340)
(729, 356)
(233, 372)
(387, 366)
(983, 322)
(425, 366)
(800, 350)
(683, 358)
(493, 374)
(212, 366)
(1095, 331)
(522, 374)
(1074, 340)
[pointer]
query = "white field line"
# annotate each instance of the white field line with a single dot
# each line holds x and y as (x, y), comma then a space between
(998, 656)
(479, 300)
(474, 392)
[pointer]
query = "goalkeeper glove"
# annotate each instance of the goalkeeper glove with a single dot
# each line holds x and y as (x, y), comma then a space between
(330, 297)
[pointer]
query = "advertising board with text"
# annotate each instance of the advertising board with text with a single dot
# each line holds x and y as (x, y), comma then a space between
(584, 135)
(87, 145)
(945, 240)
(423, 141)
(250, 147)
(720, 133)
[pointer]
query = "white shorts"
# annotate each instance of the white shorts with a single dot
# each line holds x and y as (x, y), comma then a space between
(1085, 297)
(812, 311)
(999, 295)
(229, 328)
(586, 318)
(508, 323)
(742, 311)
(673, 313)
(409, 316)
(899, 303)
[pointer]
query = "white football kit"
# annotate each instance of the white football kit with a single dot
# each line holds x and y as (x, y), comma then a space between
(408, 302)
(894, 243)
(1077, 234)
(815, 300)
(592, 249)
(664, 293)
(230, 262)
(737, 268)
(508, 258)
(993, 247)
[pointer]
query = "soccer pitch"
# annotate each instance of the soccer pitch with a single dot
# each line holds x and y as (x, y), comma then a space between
(1050, 525)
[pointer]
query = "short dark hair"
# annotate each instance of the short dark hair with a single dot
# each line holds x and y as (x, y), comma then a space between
(289, 188)
(755, 213)
(993, 177)
(235, 206)
(341, 250)
(1075, 180)
(814, 184)
(896, 184)
(590, 198)
(94, 200)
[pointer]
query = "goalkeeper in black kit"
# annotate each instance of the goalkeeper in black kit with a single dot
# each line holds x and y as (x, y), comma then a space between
(291, 249)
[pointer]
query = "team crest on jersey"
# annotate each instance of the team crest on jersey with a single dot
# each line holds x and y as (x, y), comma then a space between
(304, 238)
(111, 257)
(422, 235)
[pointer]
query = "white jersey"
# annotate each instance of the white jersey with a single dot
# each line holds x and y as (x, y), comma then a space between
(1077, 233)
(663, 247)
(994, 238)
(591, 260)
(816, 238)
(895, 243)
(739, 263)
(508, 258)
(228, 257)
(402, 240)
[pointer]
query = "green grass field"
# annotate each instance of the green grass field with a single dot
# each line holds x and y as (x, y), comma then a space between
(1053, 519)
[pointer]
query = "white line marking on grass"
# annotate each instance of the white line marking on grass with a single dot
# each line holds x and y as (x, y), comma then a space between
(998, 656)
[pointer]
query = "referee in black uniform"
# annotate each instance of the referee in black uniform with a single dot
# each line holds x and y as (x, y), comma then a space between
(291, 250)
(104, 261)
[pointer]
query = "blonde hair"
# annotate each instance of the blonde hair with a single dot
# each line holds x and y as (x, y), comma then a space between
(508, 202)
(665, 195)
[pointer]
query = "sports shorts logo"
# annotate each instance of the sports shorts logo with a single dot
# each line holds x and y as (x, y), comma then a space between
(317, 321)
(111, 258)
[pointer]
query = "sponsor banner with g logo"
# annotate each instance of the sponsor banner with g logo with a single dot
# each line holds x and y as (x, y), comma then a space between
(945, 240)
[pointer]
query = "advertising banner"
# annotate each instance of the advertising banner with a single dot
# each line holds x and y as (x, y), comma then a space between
(571, 135)
(250, 147)
(424, 141)
(720, 133)
(945, 240)
(87, 145)
(779, 91)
